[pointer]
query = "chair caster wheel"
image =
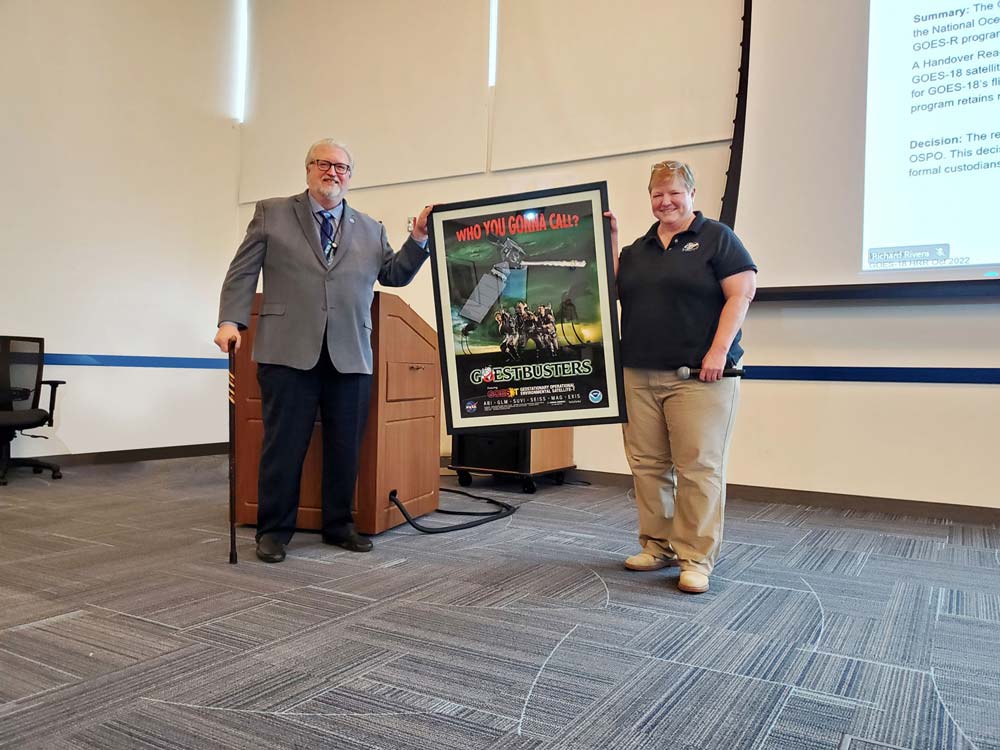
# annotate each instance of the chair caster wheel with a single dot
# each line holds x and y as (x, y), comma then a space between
(57, 475)
(528, 488)
(36, 469)
(464, 479)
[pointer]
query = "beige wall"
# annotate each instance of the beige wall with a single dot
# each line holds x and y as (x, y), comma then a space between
(119, 202)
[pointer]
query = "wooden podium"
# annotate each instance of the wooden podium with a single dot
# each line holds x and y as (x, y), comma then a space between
(400, 450)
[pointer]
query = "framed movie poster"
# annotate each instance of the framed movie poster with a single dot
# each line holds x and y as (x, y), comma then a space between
(526, 310)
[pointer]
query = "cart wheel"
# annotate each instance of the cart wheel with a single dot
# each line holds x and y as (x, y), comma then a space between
(57, 475)
(528, 488)
(464, 478)
(36, 469)
(559, 477)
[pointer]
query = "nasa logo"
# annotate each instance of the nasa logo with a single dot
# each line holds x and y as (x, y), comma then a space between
(471, 406)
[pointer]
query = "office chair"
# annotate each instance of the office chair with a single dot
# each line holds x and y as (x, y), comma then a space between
(21, 360)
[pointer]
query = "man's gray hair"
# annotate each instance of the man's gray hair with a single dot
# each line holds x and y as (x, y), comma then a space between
(334, 144)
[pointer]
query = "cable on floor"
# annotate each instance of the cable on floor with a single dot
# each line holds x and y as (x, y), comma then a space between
(506, 509)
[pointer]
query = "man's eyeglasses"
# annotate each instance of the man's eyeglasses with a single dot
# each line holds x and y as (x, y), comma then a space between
(324, 166)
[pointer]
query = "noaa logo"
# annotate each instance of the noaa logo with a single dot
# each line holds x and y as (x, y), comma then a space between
(488, 375)
(471, 406)
(595, 396)
(690, 247)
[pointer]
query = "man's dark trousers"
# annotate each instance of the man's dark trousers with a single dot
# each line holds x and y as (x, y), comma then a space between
(289, 401)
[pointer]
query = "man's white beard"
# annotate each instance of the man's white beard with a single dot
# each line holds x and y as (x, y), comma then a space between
(331, 191)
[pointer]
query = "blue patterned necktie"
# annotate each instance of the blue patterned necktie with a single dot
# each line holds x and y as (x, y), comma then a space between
(326, 235)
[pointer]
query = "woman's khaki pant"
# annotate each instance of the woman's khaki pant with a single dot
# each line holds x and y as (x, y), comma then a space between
(677, 442)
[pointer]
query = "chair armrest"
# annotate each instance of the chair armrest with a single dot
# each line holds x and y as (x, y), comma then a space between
(53, 385)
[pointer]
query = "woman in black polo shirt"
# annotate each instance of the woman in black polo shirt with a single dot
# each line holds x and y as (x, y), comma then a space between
(685, 287)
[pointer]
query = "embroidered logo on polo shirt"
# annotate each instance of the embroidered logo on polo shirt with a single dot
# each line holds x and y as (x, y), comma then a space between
(690, 247)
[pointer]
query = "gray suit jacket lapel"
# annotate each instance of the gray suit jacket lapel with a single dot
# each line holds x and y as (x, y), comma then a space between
(303, 211)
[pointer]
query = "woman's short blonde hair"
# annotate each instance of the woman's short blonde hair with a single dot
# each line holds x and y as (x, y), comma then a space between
(664, 171)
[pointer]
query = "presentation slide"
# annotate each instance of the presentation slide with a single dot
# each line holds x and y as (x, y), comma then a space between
(932, 143)
(872, 142)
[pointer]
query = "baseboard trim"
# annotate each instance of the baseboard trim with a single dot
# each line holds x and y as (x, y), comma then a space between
(753, 493)
(861, 503)
(919, 508)
(138, 454)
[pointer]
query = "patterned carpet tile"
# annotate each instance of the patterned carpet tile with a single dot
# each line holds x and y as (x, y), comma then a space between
(405, 731)
(148, 592)
(328, 652)
(602, 626)
(850, 635)
(329, 604)
(945, 575)
(571, 684)
(20, 607)
(497, 685)
(88, 644)
(826, 560)
(907, 629)
(23, 677)
(911, 716)
(252, 628)
(255, 577)
(363, 697)
(969, 557)
(968, 650)
(199, 611)
(74, 706)
(53, 576)
(667, 703)
(793, 616)
(738, 557)
(718, 649)
(400, 578)
(967, 535)
(158, 726)
(752, 531)
(887, 523)
(244, 682)
(974, 706)
(823, 629)
(785, 515)
(853, 743)
(810, 722)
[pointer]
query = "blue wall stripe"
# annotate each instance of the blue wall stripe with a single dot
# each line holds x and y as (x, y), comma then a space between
(977, 375)
(115, 360)
(983, 375)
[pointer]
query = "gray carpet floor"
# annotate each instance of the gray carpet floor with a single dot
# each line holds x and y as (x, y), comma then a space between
(122, 625)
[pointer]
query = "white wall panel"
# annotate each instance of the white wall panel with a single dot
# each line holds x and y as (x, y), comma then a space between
(118, 203)
(126, 408)
(403, 84)
(583, 78)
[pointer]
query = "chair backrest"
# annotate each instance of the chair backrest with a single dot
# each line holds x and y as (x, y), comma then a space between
(21, 359)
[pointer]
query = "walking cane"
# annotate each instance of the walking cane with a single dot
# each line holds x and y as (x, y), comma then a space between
(232, 451)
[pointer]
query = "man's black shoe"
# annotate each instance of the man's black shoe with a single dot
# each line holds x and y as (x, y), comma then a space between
(353, 542)
(269, 550)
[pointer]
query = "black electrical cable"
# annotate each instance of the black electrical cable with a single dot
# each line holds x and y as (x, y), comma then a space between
(506, 509)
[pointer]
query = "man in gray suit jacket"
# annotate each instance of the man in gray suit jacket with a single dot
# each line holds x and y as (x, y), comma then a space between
(320, 260)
